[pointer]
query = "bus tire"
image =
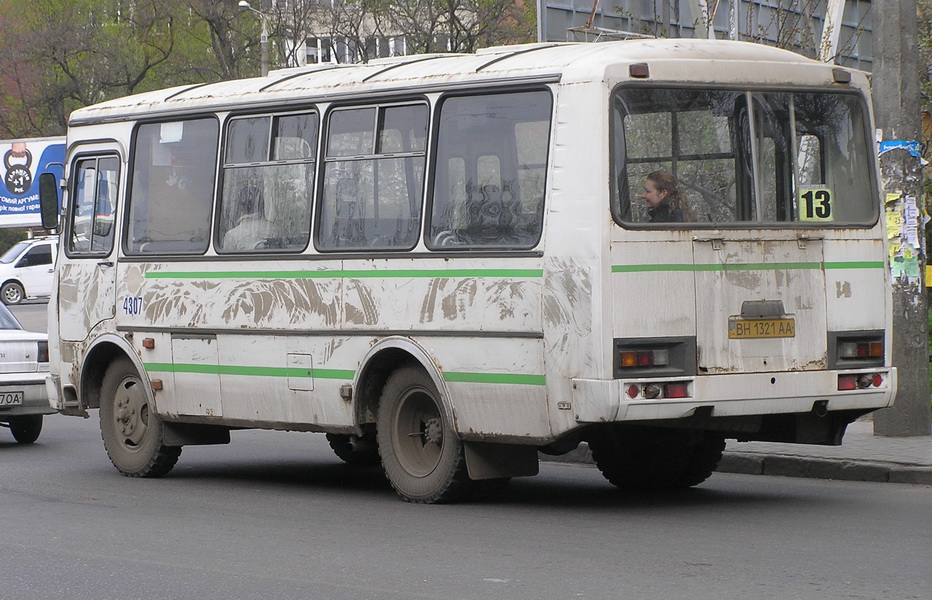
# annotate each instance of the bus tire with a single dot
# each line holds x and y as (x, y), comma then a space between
(12, 293)
(647, 458)
(354, 450)
(421, 454)
(705, 458)
(132, 434)
(26, 430)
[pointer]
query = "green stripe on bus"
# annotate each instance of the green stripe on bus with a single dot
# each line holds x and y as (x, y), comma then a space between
(787, 266)
(505, 378)
(343, 374)
(348, 274)
(252, 371)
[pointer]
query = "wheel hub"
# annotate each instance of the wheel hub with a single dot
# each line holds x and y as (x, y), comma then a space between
(126, 417)
(433, 431)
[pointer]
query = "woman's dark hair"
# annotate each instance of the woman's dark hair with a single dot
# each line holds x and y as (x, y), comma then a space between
(666, 182)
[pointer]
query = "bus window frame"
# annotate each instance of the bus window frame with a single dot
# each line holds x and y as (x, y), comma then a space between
(618, 165)
(273, 113)
(435, 156)
(115, 204)
(131, 175)
(378, 104)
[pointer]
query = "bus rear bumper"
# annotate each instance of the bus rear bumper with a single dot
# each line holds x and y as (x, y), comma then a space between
(737, 395)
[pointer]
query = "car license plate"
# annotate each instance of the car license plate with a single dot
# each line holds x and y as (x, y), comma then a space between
(11, 399)
(761, 328)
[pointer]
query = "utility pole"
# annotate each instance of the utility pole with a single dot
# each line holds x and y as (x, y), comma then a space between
(895, 88)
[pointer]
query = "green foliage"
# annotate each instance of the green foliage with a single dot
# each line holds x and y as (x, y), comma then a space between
(8, 237)
(64, 54)
(924, 10)
(60, 55)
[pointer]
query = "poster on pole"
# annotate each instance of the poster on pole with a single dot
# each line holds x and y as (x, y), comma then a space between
(23, 161)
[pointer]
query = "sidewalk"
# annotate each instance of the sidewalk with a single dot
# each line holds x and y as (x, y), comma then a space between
(862, 456)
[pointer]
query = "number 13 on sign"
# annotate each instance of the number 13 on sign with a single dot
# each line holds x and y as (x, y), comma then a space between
(815, 204)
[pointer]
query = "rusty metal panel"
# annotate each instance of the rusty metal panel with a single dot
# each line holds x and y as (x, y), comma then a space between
(748, 268)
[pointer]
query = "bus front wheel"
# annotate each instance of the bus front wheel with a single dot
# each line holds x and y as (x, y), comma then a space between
(422, 456)
(132, 434)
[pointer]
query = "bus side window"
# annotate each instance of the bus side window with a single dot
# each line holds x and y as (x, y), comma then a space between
(173, 187)
(373, 184)
(491, 164)
(268, 167)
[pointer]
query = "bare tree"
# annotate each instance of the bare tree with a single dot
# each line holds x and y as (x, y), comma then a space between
(460, 25)
(78, 52)
(232, 35)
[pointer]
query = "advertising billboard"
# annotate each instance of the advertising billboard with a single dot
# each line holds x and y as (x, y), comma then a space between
(23, 161)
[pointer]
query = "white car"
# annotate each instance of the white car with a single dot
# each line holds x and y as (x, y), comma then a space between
(24, 365)
(27, 270)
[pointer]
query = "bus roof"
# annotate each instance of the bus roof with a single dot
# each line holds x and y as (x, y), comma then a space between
(670, 60)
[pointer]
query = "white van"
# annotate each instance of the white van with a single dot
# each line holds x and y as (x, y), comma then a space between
(27, 270)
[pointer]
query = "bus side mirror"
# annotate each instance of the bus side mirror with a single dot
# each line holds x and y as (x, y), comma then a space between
(48, 200)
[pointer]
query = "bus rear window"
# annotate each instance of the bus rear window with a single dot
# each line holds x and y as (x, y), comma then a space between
(740, 157)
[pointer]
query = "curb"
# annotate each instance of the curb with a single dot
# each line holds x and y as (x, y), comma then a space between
(785, 465)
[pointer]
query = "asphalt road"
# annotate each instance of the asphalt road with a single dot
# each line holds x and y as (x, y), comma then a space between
(276, 515)
(33, 315)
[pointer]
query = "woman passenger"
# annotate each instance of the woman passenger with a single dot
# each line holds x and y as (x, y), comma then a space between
(665, 202)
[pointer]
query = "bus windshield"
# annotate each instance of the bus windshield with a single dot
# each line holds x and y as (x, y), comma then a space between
(743, 158)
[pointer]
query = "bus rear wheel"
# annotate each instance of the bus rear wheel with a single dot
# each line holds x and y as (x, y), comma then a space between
(132, 434)
(422, 456)
(652, 458)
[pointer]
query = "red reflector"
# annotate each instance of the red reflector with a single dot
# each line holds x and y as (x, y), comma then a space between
(878, 379)
(847, 382)
(639, 70)
(676, 390)
(633, 391)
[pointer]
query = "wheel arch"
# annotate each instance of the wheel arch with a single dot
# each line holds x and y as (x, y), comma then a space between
(382, 358)
(101, 353)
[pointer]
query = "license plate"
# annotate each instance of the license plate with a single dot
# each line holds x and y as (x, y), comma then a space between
(761, 328)
(11, 399)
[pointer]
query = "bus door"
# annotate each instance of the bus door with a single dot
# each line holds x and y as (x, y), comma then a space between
(87, 273)
(760, 302)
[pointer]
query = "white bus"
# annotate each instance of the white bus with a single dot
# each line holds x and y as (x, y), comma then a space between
(450, 263)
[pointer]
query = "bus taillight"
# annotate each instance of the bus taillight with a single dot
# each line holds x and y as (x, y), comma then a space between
(644, 358)
(676, 390)
(860, 349)
(656, 391)
(860, 382)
